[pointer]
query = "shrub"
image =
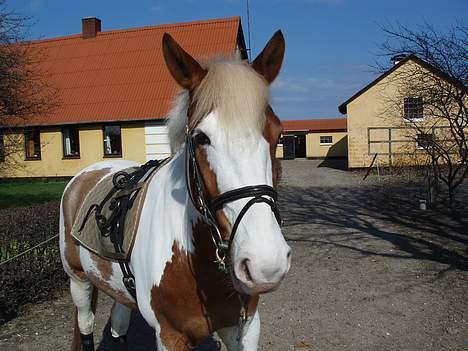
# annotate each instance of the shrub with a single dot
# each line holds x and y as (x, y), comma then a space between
(37, 275)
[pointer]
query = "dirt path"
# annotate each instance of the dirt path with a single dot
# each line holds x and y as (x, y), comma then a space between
(370, 272)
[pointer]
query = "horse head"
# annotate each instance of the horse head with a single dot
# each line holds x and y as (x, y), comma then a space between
(230, 135)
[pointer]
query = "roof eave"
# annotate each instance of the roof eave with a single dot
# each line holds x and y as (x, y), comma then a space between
(343, 108)
(115, 121)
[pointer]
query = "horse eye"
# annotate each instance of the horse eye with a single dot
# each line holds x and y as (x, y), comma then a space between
(201, 139)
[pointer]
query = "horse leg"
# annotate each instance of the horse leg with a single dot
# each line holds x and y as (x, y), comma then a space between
(120, 320)
(84, 296)
(247, 341)
(171, 339)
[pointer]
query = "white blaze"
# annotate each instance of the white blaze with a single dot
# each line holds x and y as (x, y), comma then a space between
(245, 160)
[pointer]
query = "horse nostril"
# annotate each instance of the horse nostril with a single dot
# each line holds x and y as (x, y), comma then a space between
(245, 269)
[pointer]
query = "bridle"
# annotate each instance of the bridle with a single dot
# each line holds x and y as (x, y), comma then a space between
(258, 193)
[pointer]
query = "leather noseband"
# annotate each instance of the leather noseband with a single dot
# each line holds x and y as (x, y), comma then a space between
(258, 193)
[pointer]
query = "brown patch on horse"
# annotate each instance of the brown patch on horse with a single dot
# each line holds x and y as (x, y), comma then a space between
(211, 190)
(103, 285)
(208, 302)
(272, 133)
(104, 266)
(72, 200)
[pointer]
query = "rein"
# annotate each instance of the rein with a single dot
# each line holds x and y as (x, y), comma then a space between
(258, 193)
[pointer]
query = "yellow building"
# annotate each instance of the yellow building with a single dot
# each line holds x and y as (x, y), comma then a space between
(388, 127)
(113, 94)
(313, 139)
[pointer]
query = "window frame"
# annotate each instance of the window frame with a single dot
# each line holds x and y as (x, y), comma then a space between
(421, 147)
(416, 107)
(78, 155)
(326, 143)
(112, 155)
(26, 134)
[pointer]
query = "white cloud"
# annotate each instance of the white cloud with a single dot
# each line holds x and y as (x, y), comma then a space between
(311, 96)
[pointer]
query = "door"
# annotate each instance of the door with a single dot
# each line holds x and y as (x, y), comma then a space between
(156, 141)
(288, 147)
(300, 146)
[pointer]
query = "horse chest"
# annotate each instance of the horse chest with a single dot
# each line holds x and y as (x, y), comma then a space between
(193, 297)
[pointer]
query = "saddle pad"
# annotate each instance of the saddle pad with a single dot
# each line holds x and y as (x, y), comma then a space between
(90, 236)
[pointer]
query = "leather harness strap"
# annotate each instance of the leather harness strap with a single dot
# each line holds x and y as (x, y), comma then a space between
(120, 200)
(258, 194)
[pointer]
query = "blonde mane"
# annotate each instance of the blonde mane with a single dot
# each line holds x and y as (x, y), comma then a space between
(232, 88)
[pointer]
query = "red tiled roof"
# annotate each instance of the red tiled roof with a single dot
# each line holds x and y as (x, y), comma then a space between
(121, 74)
(329, 124)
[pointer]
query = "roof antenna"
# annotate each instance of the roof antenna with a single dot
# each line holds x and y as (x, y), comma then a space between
(249, 49)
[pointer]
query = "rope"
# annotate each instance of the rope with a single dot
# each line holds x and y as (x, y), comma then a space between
(28, 250)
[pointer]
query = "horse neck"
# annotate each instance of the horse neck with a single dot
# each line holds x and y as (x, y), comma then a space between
(168, 206)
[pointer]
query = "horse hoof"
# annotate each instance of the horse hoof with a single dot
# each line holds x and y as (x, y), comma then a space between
(120, 339)
(114, 344)
(87, 342)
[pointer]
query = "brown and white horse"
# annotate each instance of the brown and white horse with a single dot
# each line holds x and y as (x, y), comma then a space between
(224, 135)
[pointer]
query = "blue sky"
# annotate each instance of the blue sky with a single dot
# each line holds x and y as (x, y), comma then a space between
(331, 45)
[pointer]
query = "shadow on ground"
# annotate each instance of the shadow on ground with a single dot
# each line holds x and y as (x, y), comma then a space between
(141, 338)
(334, 163)
(352, 218)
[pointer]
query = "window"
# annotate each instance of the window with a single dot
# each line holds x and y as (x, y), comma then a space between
(112, 141)
(32, 138)
(326, 140)
(71, 142)
(280, 141)
(2, 147)
(413, 108)
(424, 141)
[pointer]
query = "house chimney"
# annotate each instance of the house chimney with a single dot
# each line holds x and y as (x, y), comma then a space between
(90, 26)
(397, 58)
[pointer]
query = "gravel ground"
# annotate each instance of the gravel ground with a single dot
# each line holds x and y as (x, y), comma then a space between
(370, 272)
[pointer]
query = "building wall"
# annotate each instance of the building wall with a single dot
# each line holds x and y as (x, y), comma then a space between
(339, 147)
(374, 108)
(52, 163)
(279, 151)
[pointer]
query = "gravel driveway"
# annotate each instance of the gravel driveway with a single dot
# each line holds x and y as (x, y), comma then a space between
(370, 272)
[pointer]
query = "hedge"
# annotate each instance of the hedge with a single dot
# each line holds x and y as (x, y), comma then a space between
(37, 275)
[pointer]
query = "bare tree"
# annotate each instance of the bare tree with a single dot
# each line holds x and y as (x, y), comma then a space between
(24, 92)
(431, 95)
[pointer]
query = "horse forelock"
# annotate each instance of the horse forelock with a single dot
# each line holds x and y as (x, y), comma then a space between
(237, 93)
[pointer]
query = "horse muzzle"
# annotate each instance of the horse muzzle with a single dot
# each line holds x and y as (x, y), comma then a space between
(251, 276)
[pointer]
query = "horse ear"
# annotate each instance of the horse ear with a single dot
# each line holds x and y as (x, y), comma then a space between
(186, 71)
(268, 62)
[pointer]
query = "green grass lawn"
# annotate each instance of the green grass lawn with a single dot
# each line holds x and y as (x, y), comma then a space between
(17, 194)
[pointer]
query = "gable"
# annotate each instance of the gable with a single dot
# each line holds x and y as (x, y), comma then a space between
(409, 59)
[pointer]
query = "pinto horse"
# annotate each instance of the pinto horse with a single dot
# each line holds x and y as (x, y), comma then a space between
(209, 238)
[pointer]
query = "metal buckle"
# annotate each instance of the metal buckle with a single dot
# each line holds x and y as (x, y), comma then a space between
(221, 261)
(129, 283)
